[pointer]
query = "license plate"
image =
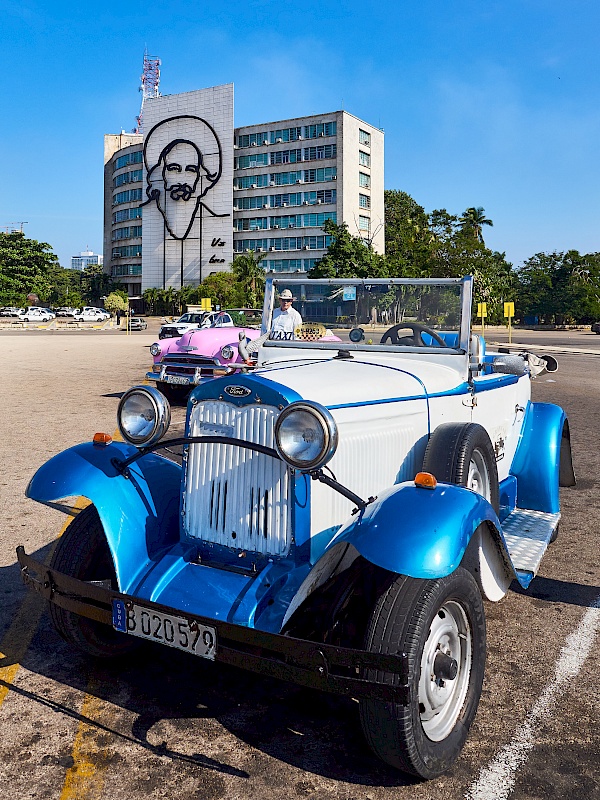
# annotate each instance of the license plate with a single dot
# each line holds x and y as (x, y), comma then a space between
(200, 640)
(177, 379)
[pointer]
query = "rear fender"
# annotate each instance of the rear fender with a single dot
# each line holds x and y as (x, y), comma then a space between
(543, 460)
(422, 533)
(140, 513)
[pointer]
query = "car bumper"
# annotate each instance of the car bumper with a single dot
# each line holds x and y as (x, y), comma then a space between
(169, 374)
(339, 670)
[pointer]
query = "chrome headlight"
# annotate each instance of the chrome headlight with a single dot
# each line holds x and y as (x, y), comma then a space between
(227, 352)
(143, 416)
(306, 435)
(155, 349)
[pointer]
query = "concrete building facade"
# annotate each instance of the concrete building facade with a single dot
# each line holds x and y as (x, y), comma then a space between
(209, 192)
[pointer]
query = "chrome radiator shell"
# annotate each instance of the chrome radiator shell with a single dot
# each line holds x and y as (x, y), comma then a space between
(233, 496)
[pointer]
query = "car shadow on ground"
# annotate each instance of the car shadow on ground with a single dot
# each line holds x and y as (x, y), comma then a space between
(556, 591)
(310, 730)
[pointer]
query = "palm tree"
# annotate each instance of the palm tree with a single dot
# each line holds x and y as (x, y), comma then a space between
(473, 220)
(251, 276)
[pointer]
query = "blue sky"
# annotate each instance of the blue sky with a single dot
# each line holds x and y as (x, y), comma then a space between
(491, 104)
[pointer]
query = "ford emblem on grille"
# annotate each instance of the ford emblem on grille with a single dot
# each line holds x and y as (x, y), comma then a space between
(237, 391)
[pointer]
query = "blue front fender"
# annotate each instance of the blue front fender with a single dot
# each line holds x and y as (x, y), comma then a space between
(418, 532)
(140, 514)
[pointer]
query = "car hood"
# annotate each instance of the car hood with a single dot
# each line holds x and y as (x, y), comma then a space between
(336, 382)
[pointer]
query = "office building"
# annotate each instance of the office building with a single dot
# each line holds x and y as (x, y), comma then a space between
(84, 259)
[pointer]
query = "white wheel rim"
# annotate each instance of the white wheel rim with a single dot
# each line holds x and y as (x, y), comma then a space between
(478, 478)
(441, 701)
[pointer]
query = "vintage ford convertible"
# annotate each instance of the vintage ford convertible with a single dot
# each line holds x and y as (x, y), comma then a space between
(341, 510)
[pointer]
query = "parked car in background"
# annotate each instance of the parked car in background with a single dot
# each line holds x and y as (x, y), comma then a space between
(11, 311)
(196, 356)
(91, 315)
(191, 320)
(596, 327)
(94, 309)
(35, 314)
(66, 311)
(339, 515)
(136, 324)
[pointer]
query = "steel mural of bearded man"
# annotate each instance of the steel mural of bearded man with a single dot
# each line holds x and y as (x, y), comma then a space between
(180, 171)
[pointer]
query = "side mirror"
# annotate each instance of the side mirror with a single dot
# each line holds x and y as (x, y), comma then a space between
(356, 335)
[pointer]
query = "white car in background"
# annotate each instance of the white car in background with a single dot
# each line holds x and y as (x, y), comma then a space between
(191, 320)
(95, 310)
(91, 315)
(36, 314)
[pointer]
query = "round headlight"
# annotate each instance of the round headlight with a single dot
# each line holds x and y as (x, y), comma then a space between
(227, 352)
(306, 435)
(155, 349)
(144, 415)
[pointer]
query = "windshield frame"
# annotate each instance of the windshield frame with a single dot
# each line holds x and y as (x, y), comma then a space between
(466, 284)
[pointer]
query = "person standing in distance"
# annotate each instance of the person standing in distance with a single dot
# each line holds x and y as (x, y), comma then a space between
(286, 320)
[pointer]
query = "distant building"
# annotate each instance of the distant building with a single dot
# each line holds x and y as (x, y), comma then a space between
(85, 258)
(210, 192)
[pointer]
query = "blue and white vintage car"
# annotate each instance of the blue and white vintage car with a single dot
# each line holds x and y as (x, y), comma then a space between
(341, 510)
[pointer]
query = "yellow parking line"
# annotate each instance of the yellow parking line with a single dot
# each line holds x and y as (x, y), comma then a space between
(21, 631)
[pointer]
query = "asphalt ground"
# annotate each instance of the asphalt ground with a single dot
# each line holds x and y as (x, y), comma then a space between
(163, 724)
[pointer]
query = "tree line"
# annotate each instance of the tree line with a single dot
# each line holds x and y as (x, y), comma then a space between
(552, 288)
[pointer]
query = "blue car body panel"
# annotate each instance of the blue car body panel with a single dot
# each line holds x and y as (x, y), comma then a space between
(140, 514)
(536, 464)
(418, 532)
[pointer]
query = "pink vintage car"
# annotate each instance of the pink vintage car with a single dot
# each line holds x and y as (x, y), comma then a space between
(198, 355)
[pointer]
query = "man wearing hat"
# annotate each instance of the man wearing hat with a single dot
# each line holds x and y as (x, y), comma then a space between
(286, 320)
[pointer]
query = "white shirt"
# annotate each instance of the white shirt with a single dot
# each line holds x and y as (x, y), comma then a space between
(285, 323)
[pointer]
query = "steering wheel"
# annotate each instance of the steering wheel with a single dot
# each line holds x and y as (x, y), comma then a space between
(416, 340)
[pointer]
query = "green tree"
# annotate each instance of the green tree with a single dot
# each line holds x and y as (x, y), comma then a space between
(408, 237)
(472, 221)
(224, 290)
(25, 265)
(116, 302)
(250, 275)
(347, 256)
(95, 283)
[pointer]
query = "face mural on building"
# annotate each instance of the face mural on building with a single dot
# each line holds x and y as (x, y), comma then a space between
(182, 156)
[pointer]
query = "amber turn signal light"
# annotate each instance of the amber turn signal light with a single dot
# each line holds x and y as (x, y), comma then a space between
(102, 439)
(425, 480)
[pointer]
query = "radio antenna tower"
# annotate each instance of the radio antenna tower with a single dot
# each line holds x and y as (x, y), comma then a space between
(149, 88)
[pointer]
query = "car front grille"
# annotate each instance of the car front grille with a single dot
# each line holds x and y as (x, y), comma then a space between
(234, 496)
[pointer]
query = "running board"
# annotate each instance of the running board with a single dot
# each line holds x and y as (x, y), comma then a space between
(527, 534)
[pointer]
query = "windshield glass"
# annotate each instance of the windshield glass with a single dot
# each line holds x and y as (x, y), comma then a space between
(365, 315)
(195, 318)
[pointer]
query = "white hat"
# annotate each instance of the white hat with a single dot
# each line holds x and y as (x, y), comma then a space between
(286, 295)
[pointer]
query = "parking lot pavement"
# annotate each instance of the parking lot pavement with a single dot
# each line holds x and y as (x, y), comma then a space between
(162, 724)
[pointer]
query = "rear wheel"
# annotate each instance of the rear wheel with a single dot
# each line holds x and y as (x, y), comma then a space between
(82, 552)
(463, 454)
(440, 625)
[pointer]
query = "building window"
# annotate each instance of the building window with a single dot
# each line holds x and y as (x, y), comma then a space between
(130, 196)
(364, 159)
(252, 224)
(285, 135)
(288, 199)
(249, 203)
(254, 160)
(251, 182)
(257, 245)
(129, 158)
(364, 181)
(321, 129)
(364, 223)
(127, 251)
(120, 270)
(128, 177)
(321, 151)
(125, 214)
(286, 178)
(127, 233)
(320, 175)
(286, 156)
(290, 221)
(253, 139)
(285, 265)
(317, 220)
(364, 137)
(364, 201)
(320, 196)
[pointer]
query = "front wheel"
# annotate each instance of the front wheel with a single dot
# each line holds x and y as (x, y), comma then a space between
(440, 625)
(82, 552)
